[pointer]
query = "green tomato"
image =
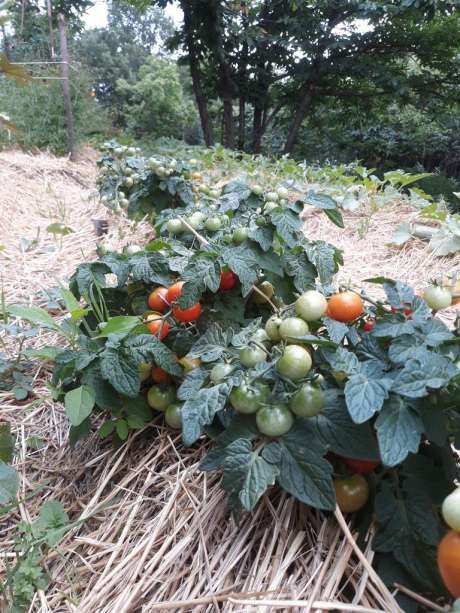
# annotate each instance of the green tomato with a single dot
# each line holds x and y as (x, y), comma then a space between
(274, 420)
(437, 297)
(271, 197)
(160, 397)
(214, 193)
(283, 202)
(282, 192)
(129, 181)
(173, 415)
(308, 401)
(261, 221)
(213, 224)
(339, 376)
(311, 305)
(219, 372)
(260, 336)
(251, 356)
(175, 226)
(249, 398)
(293, 327)
(295, 363)
(144, 371)
(196, 219)
(240, 235)
(267, 290)
(227, 238)
(451, 510)
(257, 189)
(132, 249)
(272, 328)
(269, 207)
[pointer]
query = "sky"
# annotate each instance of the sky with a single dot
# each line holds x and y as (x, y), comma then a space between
(96, 16)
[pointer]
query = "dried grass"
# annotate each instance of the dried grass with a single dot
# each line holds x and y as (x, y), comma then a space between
(152, 532)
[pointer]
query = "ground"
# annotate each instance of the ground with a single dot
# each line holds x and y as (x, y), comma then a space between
(151, 531)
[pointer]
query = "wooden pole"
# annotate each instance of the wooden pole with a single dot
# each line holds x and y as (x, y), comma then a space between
(49, 11)
(66, 88)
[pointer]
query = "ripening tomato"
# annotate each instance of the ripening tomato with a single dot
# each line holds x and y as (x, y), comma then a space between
(228, 280)
(174, 292)
(160, 376)
(157, 300)
(189, 364)
(187, 315)
(265, 289)
(293, 327)
(449, 562)
(345, 306)
(369, 325)
(361, 467)
(311, 305)
(351, 494)
(157, 325)
(407, 311)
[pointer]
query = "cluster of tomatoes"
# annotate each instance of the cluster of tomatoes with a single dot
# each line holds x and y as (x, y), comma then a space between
(449, 547)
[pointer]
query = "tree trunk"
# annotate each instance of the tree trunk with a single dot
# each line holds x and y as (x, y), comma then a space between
(66, 88)
(201, 100)
(50, 27)
(6, 45)
(229, 133)
(305, 101)
(257, 129)
(241, 123)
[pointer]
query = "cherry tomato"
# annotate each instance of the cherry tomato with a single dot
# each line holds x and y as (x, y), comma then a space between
(189, 364)
(351, 494)
(173, 415)
(239, 235)
(311, 305)
(159, 375)
(272, 328)
(157, 326)
(295, 362)
(250, 356)
(267, 290)
(361, 467)
(249, 398)
(407, 312)
(369, 325)
(339, 376)
(274, 420)
(293, 327)
(160, 397)
(271, 197)
(437, 297)
(449, 562)
(219, 372)
(175, 226)
(157, 300)
(282, 192)
(174, 292)
(345, 306)
(186, 315)
(213, 224)
(451, 510)
(261, 337)
(308, 401)
(228, 280)
(144, 370)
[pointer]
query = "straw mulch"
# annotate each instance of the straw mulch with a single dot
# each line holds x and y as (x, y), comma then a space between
(152, 531)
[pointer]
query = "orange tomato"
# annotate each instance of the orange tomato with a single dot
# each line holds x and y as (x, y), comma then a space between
(159, 375)
(186, 315)
(157, 325)
(174, 292)
(449, 562)
(345, 306)
(157, 299)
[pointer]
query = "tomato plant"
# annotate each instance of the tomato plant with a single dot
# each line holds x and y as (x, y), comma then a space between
(311, 305)
(187, 315)
(345, 306)
(292, 327)
(295, 362)
(158, 301)
(173, 415)
(274, 420)
(307, 401)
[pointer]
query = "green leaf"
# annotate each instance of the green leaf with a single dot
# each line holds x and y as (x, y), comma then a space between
(6, 443)
(336, 330)
(288, 226)
(150, 268)
(320, 201)
(392, 328)
(192, 383)
(200, 410)
(71, 303)
(335, 216)
(435, 332)
(427, 370)
(201, 273)
(77, 433)
(44, 353)
(247, 475)
(122, 324)
(211, 346)
(106, 429)
(52, 515)
(405, 347)
(59, 228)
(242, 337)
(9, 483)
(120, 369)
(106, 396)
(399, 294)
(365, 395)
(242, 262)
(342, 360)
(122, 429)
(145, 347)
(325, 258)
(263, 235)
(35, 315)
(399, 430)
(79, 403)
(86, 275)
(302, 470)
(300, 269)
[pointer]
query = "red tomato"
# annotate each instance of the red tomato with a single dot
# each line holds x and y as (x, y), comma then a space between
(228, 280)
(186, 315)
(157, 300)
(369, 325)
(449, 562)
(174, 292)
(159, 375)
(157, 326)
(345, 306)
(361, 467)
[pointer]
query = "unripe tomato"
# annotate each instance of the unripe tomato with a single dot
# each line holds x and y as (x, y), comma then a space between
(160, 376)
(249, 399)
(449, 562)
(196, 219)
(157, 300)
(272, 328)
(293, 327)
(437, 297)
(189, 364)
(351, 494)
(228, 280)
(369, 325)
(270, 206)
(239, 235)
(295, 363)
(274, 420)
(361, 467)
(144, 371)
(250, 356)
(451, 510)
(160, 397)
(219, 372)
(267, 290)
(345, 306)
(173, 416)
(197, 176)
(261, 337)
(187, 315)
(271, 197)
(339, 376)
(175, 226)
(174, 292)
(129, 181)
(308, 401)
(214, 193)
(157, 325)
(257, 189)
(132, 249)
(282, 192)
(311, 305)
(213, 224)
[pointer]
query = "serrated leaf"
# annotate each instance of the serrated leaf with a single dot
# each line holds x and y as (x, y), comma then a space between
(399, 294)
(150, 267)
(435, 332)
(79, 403)
(263, 235)
(211, 346)
(35, 315)
(404, 347)
(288, 226)
(9, 483)
(325, 258)
(200, 410)
(201, 273)
(121, 371)
(300, 269)
(192, 383)
(392, 328)
(243, 336)
(242, 262)
(428, 370)
(399, 430)
(365, 395)
(146, 347)
(342, 360)
(336, 330)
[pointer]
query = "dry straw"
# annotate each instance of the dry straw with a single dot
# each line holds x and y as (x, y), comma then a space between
(155, 534)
